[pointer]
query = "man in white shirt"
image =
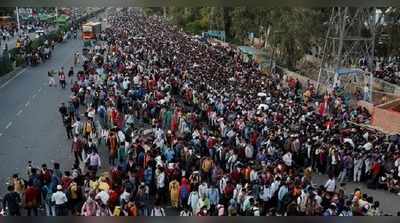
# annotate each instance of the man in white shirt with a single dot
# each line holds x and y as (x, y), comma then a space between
(160, 184)
(330, 185)
(275, 185)
(103, 196)
(203, 189)
(367, 146)
(125, 196)
(125, 83)
(249, 151)
(77, 126)
(287, 159)
(60, 200)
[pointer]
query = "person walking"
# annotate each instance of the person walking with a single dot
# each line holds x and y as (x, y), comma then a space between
(76, 148)
(174, 193)
(63, 110)
(68, 126)
(76, 59)
(358, 163)
(52, 82)
(71, 75)
(330, 185)
(32, 199)
(11, 202)
(60, 200)
(160, 184)
(93, 161)
(62, 78)
(91, 206)
(112, 144)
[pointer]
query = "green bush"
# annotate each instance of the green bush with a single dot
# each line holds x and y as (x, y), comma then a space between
(19, 60)
(6, 65)
(195, 27)
(13, 53)
(52, 36)
(34, 44)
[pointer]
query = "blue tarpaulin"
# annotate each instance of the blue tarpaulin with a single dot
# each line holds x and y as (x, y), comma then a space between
(216, 34)
(347, 71)
(248, 50)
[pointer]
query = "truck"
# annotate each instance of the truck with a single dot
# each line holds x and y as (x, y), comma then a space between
(91, 30)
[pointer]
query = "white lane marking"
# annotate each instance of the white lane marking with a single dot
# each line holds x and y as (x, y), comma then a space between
(19, 112)
(9, 125)
(34, 96)
(40, 89)
(1, 134)
(7, 82)
(27, 104)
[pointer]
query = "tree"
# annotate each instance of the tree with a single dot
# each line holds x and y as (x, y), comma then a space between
(294, 31)
(7, 11)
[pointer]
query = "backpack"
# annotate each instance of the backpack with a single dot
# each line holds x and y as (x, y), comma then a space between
(46, 176)
(73, 195)
(36, 182)
(102, 113)
(184, 193)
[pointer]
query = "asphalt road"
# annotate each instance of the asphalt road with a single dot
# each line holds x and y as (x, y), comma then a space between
(30, 125)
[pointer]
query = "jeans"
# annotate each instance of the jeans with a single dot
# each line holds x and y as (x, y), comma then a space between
(35, 211)
(78, 157)
(14, 212)
(342, 175)
(50, 210)
(60, 210)
(62, 83)
(69, 133)
(211, 153)
(357, 175)
(111, 160)
(143, 211)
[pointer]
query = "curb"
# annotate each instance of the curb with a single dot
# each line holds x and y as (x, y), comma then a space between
(10, 75)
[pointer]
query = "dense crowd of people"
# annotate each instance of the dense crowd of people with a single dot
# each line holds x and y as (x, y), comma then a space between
(388, 70)
(6, 34)
(189, 125)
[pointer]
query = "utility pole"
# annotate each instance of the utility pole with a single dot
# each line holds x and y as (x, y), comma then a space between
(18, 23)
(345, 42)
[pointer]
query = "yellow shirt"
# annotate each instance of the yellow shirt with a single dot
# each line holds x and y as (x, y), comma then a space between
(93, 185)
(104, 186)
